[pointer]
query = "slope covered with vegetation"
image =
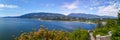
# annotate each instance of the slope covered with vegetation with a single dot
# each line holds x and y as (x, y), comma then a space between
(111, 25)
(45, 34)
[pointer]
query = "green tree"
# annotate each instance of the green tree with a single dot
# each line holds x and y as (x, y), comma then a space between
(116, 34)
(111, 23)
(118, 18)
(99, 24)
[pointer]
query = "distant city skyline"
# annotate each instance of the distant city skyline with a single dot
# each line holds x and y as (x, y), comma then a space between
(96, 7)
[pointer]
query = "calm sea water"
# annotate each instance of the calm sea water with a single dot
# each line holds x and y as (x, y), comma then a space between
(10, 27)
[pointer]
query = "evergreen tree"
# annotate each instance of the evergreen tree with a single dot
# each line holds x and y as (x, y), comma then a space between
(99, 24)
(118, 18)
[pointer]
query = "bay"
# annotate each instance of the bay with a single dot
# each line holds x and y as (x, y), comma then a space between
(11, 27)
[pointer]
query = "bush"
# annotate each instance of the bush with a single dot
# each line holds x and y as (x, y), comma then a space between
(101, 31)
(45, 34)
(116, 34)
(110, 26)
(79, 35)
(104, 31)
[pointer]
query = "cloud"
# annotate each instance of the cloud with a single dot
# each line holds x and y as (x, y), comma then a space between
(105, 8)
(66, 13)
(8, 6)
(93, 8)
(2, 5)
(47, 5)
(71, 6)
(110, 10)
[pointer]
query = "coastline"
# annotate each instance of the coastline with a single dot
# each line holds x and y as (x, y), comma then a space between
(68, 21)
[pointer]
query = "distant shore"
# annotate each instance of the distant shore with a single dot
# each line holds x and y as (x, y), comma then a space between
(88, 22)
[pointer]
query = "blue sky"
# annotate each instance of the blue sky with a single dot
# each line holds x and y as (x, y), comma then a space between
(96, 7)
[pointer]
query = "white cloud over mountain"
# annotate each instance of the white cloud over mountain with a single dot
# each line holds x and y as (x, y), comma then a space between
(8, 6)
(110, 10)
(71, 6)
(102, 8)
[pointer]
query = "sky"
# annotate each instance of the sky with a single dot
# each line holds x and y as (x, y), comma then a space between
(96, 7)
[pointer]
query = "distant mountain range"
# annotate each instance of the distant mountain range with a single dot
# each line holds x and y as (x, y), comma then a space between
(83, 15)
(41, 15)
(57, 15)
(38, 15)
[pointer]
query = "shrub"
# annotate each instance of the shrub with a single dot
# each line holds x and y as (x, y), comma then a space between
(45, 34)
(116, 34)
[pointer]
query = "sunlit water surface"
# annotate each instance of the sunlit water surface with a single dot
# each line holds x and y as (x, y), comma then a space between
(11, 27)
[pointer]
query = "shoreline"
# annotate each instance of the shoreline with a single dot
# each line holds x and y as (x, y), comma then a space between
(68, 21)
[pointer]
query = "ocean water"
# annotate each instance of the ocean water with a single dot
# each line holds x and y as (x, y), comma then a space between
(11, 27)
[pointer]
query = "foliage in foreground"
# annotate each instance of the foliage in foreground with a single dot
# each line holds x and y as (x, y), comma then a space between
(44, 34)
(116, 33)
(110, 26)
(103, 30)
